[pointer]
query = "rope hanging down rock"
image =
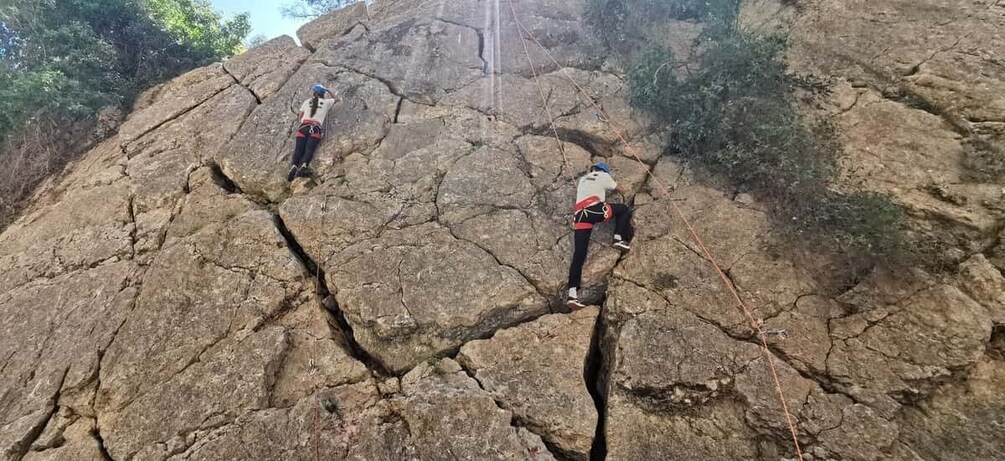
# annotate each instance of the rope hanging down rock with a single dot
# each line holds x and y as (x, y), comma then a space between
(754, 324)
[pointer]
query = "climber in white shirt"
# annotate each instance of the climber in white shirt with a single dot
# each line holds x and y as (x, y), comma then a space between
(312, 118)
(591, 208)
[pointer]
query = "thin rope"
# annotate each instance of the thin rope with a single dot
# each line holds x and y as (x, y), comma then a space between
(540, 90)
(314, 342)
(694, 234)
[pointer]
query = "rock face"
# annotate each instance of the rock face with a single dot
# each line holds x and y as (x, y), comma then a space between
(537, 371)
(172, 297)
(911, 95)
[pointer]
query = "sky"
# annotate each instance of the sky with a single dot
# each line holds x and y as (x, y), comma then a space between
(265, 16)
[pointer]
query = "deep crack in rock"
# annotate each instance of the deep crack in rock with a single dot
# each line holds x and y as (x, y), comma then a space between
(595, 377)
(328, 302)
(96, 433)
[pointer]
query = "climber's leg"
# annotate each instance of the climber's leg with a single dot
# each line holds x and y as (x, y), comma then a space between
(312, 145)
(298, 154)
(583, 221)
(581, 243)
(623, 231)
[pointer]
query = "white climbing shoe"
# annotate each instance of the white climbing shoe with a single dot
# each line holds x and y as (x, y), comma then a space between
(574, 303)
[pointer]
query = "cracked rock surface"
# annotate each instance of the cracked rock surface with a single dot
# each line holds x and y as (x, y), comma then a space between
(171, 297)
(536, 370)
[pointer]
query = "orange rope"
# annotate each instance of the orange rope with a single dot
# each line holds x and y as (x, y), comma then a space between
(694, 234)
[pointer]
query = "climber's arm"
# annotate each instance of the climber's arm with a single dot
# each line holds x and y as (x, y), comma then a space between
(335, 97)
(303, 109)
(613, 185)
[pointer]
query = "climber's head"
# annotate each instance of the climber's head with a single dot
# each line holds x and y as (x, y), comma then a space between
(319, 90)
(601, 166)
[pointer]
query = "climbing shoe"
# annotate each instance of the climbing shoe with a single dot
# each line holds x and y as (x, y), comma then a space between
(304, 172)
(622, 245)
(574, 303)
(294, 170)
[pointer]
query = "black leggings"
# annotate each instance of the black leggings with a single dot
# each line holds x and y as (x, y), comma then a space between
(306, 145)
(581, 237)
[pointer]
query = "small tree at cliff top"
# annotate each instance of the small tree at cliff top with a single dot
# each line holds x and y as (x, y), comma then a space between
(309, 9)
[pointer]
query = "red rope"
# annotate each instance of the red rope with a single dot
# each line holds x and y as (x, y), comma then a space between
(694, 234)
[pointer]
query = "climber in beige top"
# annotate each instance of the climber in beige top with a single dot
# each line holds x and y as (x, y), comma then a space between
(312, 119)
(592, 208)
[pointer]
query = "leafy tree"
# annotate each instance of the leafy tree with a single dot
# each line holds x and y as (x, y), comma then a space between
(76, 56)
(63, 60)
(303, 9)
(256, 40)
(195, 23)
(10, 45)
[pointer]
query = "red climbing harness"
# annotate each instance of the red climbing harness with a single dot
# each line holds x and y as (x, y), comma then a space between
(311, 128)
(584, 208)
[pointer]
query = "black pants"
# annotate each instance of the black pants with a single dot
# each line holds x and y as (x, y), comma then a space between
(306, 144)
(581, 237)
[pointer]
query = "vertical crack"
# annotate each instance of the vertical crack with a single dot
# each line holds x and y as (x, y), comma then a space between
(595, 378)
(96, 433)
(329, 303)
(397, 110)
(131, 209)
(481, 52)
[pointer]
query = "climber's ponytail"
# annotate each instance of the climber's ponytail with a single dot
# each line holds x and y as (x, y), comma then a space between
(314, 105)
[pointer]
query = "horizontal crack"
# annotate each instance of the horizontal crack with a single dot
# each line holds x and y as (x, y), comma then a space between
(175, 117)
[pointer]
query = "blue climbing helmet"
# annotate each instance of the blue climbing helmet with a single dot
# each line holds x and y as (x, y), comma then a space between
(318, 89)
(602, 167)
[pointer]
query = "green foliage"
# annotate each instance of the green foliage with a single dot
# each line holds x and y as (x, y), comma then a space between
(607, 19)
(195, 23)
(622, 25)
(24, 94)
(301, 9)
(63, 60)
(736, 117)
(76, 56)
(863, 229)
